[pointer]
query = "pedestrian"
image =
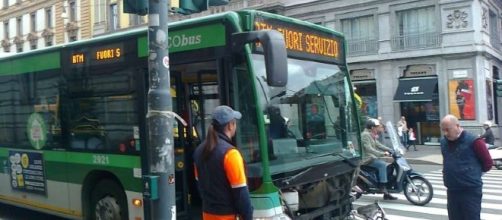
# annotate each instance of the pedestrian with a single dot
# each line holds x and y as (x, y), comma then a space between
(372, 151)
(488, 134)
(219, 170)
(404, 127)
(412, 139)
(465, 159)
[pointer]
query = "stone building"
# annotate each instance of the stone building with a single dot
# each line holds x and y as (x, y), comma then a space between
(33, 24)
(420, 59)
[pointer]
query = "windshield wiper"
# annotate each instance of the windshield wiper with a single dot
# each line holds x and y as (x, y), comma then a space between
(280, 94)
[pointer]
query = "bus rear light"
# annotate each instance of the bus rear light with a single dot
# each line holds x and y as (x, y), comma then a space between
(137, 203)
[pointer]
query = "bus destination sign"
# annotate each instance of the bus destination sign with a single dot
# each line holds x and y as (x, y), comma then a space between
(302, 41)
(98, 55)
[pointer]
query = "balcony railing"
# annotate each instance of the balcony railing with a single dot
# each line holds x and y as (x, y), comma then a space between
(416, 41)
(362, 47)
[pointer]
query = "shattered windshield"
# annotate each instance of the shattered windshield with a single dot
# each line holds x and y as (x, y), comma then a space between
(310, 120)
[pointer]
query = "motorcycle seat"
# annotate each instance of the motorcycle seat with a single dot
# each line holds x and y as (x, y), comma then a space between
(368, 168)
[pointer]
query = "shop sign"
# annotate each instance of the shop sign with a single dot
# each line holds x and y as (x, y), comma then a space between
(419, 71)
(460, 73)
(362, 74)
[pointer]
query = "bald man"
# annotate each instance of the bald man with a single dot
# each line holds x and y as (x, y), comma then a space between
(465, 159)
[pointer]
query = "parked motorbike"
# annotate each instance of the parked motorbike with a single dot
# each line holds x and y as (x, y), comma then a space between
(496, 153)
(401, 177)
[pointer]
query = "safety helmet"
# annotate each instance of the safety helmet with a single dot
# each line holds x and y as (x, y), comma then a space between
(371, 123)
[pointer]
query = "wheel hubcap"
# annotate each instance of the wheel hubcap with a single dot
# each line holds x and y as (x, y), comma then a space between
(107, 209)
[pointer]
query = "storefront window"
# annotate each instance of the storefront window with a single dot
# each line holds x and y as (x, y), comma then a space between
(368, 94)
(423, 117)
(461, 99)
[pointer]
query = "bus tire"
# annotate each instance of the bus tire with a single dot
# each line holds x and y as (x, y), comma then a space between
(108, 201)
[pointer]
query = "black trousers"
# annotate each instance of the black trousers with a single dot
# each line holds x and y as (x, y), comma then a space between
(464, 204)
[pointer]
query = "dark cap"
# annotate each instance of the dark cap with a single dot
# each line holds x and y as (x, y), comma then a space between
(224, 114)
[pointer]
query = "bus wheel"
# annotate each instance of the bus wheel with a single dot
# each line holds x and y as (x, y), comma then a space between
(108, 202)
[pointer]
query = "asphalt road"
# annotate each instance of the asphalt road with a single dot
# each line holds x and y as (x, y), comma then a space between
(8, 212)
(12, 213)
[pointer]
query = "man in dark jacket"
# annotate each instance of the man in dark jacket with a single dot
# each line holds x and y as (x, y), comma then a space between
(465, 159)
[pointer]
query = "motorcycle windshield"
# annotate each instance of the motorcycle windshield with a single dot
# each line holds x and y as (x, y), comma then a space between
(396, 145)
(403, 163)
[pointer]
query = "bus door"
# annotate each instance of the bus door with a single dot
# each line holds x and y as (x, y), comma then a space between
(181, 138)
(197, 93)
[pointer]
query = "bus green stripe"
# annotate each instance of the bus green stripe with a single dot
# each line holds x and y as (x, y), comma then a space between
(212, 35)
(142, 46)
(114, 160)
(28, 64)
(74, 166)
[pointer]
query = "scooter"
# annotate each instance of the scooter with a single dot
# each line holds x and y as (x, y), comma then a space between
(496, 153)
(417, 189)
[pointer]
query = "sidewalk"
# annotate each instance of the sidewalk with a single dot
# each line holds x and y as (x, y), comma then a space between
(425, 154)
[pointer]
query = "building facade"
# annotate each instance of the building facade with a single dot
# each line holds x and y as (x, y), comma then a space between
(420, 59)
(33, 24)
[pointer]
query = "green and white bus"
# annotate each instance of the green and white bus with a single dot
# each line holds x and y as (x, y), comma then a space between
(73, 118)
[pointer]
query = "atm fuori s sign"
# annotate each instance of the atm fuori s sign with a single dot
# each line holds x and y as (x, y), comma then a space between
(303, 41)
(96, 55)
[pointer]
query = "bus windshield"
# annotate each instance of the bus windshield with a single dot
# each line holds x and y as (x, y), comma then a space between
(308, 120)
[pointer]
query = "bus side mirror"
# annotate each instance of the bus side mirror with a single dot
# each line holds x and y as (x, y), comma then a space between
(274, 50)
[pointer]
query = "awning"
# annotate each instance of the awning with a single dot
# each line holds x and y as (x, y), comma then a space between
(415, 90)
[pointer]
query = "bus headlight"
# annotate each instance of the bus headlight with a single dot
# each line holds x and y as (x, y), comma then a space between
(137, 203)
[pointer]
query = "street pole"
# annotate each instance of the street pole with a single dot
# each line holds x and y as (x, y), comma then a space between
(160, 119)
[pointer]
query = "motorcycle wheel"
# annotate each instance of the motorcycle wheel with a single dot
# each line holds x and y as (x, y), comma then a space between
(423, 193)
(498, 164)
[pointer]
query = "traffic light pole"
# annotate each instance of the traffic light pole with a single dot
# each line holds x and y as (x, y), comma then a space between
(160, 203)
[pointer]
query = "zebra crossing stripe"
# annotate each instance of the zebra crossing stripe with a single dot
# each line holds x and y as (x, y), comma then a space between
(440, 182)
(493, 171)
(437, 201)
(485, 177)
(497, 182)
(423, 209)
(442, 187)
(398, 217)
(485, 196)
(492, 190)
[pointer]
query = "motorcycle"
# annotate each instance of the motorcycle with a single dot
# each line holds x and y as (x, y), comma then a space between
(402, 178)
(496, 153)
